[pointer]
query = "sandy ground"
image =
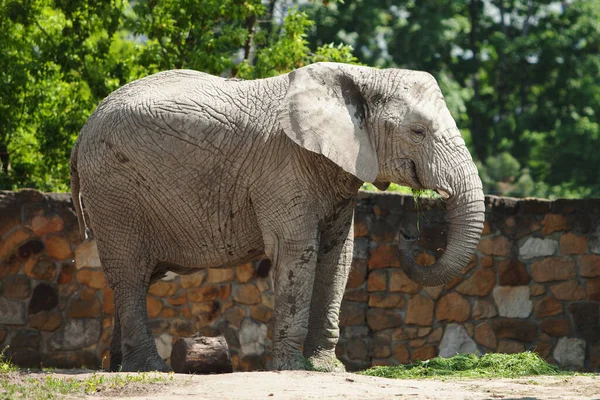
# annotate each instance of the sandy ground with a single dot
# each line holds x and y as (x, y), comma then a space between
(315, 385)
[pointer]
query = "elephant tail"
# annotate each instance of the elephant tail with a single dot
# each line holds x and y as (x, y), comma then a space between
(84, 232)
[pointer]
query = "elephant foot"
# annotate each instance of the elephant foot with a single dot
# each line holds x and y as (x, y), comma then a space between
(326, 362)
(298, 363)
(116, 360)
(151, 364)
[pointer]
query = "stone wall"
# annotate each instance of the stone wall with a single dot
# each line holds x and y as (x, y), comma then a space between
(533, 284)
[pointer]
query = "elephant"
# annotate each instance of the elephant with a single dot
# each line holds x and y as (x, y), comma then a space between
(183, 170)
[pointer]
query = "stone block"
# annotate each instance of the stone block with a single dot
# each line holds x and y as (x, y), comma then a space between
(352, 313)
(12, 311)
(58, 247)
(48, 321)
(570, 353)
(40, 270)
(193, 280)
(399, 282)
(30, 248)
(571, 243)
(86, 255)
(434, 291)
(154, 306)
(12, 240)
(383, 318)
(510, 347)
(44, 298)
(537, 290)
(164, 345)
(556, 327)
(358, 274)
(569, 291)
(487, 261)
(16, 286)
(381, 231)
(85, 305)
(593, 289)
(235, 315)
(261, 313)
(357, 349)
(555, 223)
(91, 278)
(246, 293)
(513, 301)
(163, 289)
(485, 336)
(536, 247)
(456, 340)
(548, 307)
(590, 265)
(178, 300)
(377, 281)
(205, 293)
(453, 307)
(553, 269)
(417, 343)
(66, 274)
(480, 283)
(244, 272)
(423, 353)
(10, 266)
(495, 246)
(586, 318)
(419, 311)
(512, 273)
(436, 335)
(225, 291)
(252, 337)
(379, 346)
(219, 275)
(361, 249)
(517, 329)
(384, 256)
(76, 334)
(386, 300)
(43, 225)
(401, 353)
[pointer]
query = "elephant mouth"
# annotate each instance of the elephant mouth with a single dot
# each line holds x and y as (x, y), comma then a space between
(408, 171)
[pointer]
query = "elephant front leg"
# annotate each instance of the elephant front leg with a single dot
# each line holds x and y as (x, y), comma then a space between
(333, 267)
(116, 354)
(293, 277)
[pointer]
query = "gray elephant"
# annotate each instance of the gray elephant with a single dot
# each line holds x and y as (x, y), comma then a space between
(183, 170)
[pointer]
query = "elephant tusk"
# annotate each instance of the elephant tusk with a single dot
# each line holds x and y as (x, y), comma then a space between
(445, 195)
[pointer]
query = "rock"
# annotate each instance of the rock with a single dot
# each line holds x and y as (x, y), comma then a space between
(168, 312)
(16, 286)
(417, 343)
(48, 321)
(384, 256)
(523, 330)
(41, 225)
(399, 282)
(219, 275)
(235, 315)
(434, 291)
(361, 249)
(553, 269)
(86, 255)
(480, 283)
(377, 281)
(554, 223)
(44, 298)
(593, 289)
(13, 239)
(485, 336)
(512, 273)
(261, 313)
(537, 290)
(30, 248)
(535, 247)
(164, 345)
(586, 318)
(67, 271)
(163, 289)
(193, 280)
(513, 301)
(383, 318)
(453, 307)
(12, 312)
(268, 299)
(386, 300)
(570, 353)
(487, 261)
(356, 349)
(154, 306)
(590, 265)
(178, 300)
(483, 309)
(85, 305)
(571, 243)
(495, 245)
(547, 307)
(401, 353)
(58, 247)
(76, 334)
(225, 291)
(423, 353)
(246, 293)
(569, 291)
(419, 311)
(244, 272)
(108, 301)
(379, 346)
(351, 313)
(456, 340)
(202, 294)
(358, 274)
(556, 327)
(509, 347)
(40, 270)
(91, 278)
(252, 337)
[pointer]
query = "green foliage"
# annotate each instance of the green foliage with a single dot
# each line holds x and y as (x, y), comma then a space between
(6, 365)
(491, 365)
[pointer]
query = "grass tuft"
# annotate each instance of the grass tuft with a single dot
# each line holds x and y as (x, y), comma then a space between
(494, 365)
(5, 364)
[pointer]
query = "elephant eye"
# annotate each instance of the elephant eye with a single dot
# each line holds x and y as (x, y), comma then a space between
(417, 133)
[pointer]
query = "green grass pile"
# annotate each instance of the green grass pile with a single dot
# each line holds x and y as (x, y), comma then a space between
(471, 366)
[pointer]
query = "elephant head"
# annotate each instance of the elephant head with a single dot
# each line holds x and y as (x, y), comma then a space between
(391, 125)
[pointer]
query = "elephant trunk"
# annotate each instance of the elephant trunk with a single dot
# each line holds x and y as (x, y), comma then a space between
(466, 213)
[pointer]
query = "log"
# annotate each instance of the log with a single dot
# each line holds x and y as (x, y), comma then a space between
(201, 355)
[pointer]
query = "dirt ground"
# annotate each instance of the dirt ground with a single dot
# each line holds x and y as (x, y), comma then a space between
(290, 385)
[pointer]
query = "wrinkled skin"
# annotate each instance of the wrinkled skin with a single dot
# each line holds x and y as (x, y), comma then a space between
(182, 170)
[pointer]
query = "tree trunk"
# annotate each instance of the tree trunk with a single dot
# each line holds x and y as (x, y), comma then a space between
(201, 355)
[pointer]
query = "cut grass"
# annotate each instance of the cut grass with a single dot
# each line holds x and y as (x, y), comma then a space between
(491, 365)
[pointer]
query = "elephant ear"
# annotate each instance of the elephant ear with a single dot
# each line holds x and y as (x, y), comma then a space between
(324, 112)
